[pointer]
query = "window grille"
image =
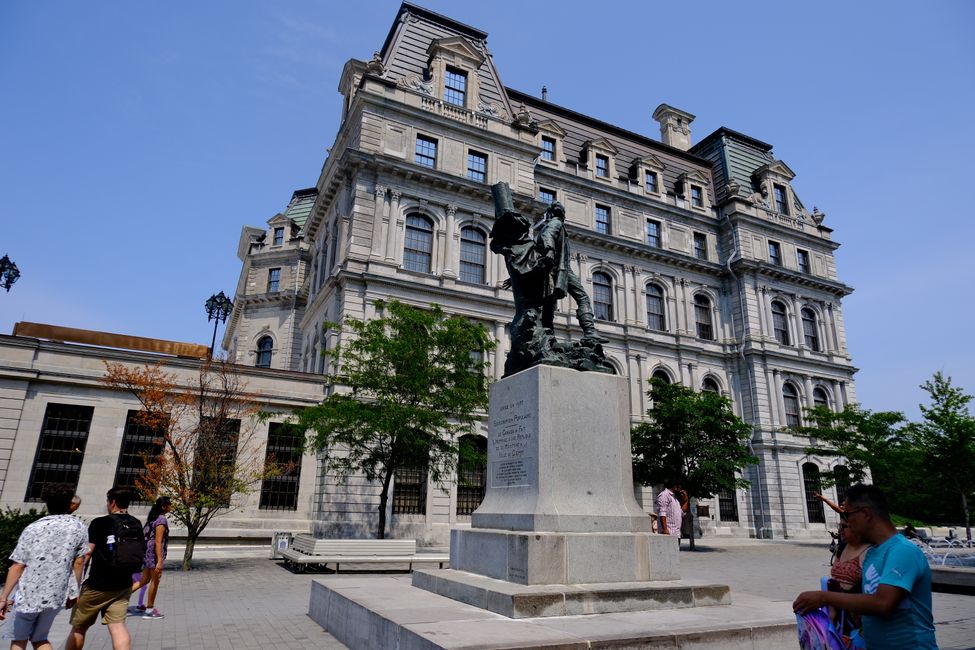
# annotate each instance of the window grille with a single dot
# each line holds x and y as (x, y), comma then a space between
(138, 443)
(812, 484)
(410, 491)
(60, 449)
(280, 492)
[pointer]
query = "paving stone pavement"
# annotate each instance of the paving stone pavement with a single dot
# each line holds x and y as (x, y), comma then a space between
(237, 599)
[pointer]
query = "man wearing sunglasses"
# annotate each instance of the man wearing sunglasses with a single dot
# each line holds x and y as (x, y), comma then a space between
(896, 598)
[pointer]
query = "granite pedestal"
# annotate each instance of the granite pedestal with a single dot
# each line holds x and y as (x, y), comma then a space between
(558, 534)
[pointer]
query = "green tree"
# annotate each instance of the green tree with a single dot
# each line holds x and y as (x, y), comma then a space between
(693, 436)
(409, 385)
(946, 439)
(871, 443)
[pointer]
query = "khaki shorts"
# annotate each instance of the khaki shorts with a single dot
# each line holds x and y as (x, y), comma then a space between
(112, 605)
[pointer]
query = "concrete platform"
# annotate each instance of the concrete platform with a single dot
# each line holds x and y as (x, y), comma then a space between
(953, 580)
(535, 601)
(372, 613)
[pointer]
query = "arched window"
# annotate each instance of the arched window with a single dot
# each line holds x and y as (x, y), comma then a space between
(780, 326)
(473, 254)
(710, 386)
(809, 331)
(602, 296)
(418, 246)
(264, 346)
(810, 480)
(655, 308)
(790, 398)
(661, 375)
(702, 315)
(471, 475)
(820, 397)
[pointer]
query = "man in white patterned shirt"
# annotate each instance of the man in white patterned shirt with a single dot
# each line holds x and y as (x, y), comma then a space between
(47, 552)
(670, 509)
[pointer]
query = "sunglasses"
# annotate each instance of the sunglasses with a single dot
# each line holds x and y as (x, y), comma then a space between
(845, 516)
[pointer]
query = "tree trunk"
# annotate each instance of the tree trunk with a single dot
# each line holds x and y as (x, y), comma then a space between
(383, 499)
(968, 523)
(690, 517)
(191, 537)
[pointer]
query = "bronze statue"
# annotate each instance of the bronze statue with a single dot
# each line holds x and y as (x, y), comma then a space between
(539, 275)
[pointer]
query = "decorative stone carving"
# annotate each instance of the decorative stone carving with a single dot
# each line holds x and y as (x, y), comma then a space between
(732, 187)
(523, 117)
(380, 192)
(818, 216)
(760, 198)
(451, 209)
(415, 82)
(395, 194)
(375, 65)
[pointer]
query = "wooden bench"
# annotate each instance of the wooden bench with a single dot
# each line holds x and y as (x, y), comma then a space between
(307, 550)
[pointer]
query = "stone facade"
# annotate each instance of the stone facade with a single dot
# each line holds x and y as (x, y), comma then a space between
(704, 265)
(36, 375)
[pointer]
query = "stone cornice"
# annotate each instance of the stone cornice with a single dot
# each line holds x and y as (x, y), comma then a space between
(765, 269)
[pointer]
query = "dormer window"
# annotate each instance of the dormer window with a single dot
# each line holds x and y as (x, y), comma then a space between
(455, 87)
(693, 186)
(602, 166)
(278, 236)
(548, 148)
(697, 196)
(781, 199)
(598, 155)
(652, 182)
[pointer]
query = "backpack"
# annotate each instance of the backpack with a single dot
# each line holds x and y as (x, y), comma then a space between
(127, 545)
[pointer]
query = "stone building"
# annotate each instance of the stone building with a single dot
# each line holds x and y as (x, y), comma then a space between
(59, 423)
(703, 264)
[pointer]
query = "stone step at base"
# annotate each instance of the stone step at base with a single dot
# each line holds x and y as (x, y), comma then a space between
(534, 601)
(388, 612)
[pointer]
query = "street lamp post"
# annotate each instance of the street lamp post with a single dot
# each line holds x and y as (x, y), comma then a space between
(218, 307)
(8, 273)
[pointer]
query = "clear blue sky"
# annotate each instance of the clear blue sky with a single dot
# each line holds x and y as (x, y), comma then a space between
(136, 139)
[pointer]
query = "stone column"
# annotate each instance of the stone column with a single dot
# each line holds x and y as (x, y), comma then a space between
(344, 233)
(377, 219)
(777, 409)
(692, 375)
(808, 387)
(499, 330)
(392, 230)
(800, 339)
(760, 293)
(451, 253)
(834, 337)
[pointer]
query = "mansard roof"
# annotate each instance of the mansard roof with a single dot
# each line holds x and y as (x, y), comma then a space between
(405, 53)
(300, 206)
(580, 129)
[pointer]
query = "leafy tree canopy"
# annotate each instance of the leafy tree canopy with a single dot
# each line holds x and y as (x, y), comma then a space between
(408, 384)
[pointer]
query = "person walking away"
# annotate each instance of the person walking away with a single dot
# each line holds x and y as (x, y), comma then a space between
(157, 545)
(118, 550)
(896, 601)
(47, 553)
(670, 510)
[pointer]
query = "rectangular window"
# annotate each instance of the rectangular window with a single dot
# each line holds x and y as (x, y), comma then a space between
(273, 280)
(138, 443)
(774, 253)
(426, 151)
(476, 166)
(697, 196)
(727, 505)
(651, 182)
(602, 219)
(455, 87)
(546, 195)
(781, 202)
(278, 236)
(410, 491)
(700, 246)
(280, 492)
(61, 448)
(215, 458)
(653, 233)
(602, 166)
(548, 148)
(802, 260)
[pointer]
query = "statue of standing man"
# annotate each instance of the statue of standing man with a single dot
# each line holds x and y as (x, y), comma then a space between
(540, 275)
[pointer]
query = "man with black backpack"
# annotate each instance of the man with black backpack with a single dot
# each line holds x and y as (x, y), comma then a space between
(117, 551)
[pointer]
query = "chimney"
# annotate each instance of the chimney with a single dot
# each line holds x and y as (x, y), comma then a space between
(675, 126)
(544, 93)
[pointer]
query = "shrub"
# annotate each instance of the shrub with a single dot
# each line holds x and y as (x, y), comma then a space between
(12, 524)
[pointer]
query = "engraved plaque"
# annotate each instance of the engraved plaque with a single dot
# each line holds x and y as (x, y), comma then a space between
(512, 456)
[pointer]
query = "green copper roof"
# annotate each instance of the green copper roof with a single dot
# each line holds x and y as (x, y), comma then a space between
(300, 207)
